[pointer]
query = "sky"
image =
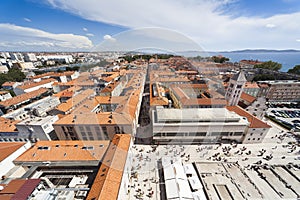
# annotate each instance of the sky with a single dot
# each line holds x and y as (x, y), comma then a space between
(211, 25)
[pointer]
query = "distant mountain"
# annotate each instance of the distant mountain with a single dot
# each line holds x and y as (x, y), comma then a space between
(261, 51)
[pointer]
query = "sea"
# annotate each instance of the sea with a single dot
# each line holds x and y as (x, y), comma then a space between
(287, 59)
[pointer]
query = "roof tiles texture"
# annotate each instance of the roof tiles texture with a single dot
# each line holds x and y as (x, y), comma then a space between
(109, 177)
(64, 151)
(254, 121)
(7, 148)
(23, 97)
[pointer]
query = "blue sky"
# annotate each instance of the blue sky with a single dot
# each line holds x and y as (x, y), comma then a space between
(213, 24)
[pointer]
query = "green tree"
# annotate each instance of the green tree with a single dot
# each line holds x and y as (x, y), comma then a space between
(14, 74)
(263, 77)
(269, 65)
(219, 59)
(295, 70)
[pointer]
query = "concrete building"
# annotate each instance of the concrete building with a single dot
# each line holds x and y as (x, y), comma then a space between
(37, 128)
(75, 169)
(23, 99)
(29, 57)
(282, 91)
(235, 88)
(202, 125)
(32, 86)
(24, 66)
(256, 130)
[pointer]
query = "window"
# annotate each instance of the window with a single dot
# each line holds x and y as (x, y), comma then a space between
(117, 129)
(238, 133)
(104, 129)
(239, 86)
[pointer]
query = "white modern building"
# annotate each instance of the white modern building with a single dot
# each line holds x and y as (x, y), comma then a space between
(197, 125)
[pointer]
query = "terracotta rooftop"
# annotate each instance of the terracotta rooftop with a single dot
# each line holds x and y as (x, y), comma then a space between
(59, 151)
(67, 92)
(251, 85)
(204, 101)
(8, 83)
(110, 99)
(26, 189)
(11, 188)
(109, 177)
(23, 97)
(75, 101)
(7, 148)
(158, 100)
(193, 86)
(48, 74)
(34, 84)
(254, 121)
(7, 125)
(91, 118)
(110, 87)
(247, 97)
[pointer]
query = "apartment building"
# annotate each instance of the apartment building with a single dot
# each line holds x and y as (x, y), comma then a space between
(282, 91)
(37, 128)
(194, 96)
(32, 86)
(202, 125)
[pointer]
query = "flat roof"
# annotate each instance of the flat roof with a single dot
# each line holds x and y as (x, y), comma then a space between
(36, 120)
(196, 114)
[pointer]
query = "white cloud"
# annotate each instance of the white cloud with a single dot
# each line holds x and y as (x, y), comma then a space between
(27, 19)
(85, 29)
(109, 38)
(90, 34)
(298, 40)
(25, 38)
(270, 25)
(202, 20)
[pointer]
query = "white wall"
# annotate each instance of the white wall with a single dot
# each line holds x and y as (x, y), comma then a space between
(7, 164)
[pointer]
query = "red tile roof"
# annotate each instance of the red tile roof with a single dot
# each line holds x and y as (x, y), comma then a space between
(247, 97)
(109, 177)
(7, 148)
(23, 97)
(34, 84)
(254, 121)
(26, 189)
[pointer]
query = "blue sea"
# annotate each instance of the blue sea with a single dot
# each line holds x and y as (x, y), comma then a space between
(287, 59)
